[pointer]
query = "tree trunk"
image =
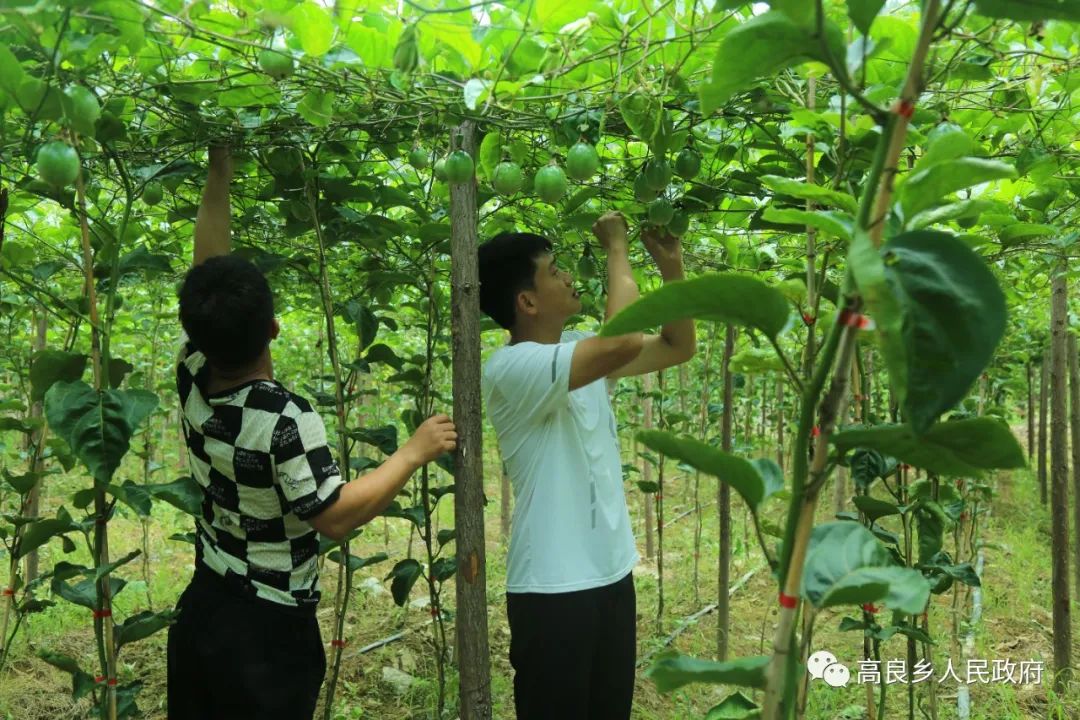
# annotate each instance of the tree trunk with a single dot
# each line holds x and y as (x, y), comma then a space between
(1030, 413)
(647, 472)
(471, 626)
(1059, 512)
(723, 503)
(33, 500)
(1044, 386)
(505, 509)
(1074, 423)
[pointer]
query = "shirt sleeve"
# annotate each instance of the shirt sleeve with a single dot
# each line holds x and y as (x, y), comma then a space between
(191, 369)
(304, 467)
(534, 378)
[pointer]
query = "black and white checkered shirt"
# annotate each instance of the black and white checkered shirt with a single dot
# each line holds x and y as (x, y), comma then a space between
(259, 452)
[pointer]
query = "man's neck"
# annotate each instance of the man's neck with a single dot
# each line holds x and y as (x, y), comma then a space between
(221, 380)
(545, 334)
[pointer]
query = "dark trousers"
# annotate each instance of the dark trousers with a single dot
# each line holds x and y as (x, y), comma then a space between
(238, 658)
(573, 653)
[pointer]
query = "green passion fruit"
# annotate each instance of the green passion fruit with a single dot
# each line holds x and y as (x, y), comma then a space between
(657, 173)
(276, 64)
(661, 211)
(550, 184)
(459, 167)
(688, 164)
(152, 193)
(582, 161)
(507, 178)
(57, 164)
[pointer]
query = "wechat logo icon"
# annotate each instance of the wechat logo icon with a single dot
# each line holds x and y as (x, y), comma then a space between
(823, 665)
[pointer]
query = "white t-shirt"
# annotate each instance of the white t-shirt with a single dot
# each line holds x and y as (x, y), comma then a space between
(571, 528)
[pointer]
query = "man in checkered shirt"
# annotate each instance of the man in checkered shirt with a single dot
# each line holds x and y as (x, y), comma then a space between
(246, 643)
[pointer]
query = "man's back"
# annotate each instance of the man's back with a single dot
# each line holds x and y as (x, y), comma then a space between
(259, 452)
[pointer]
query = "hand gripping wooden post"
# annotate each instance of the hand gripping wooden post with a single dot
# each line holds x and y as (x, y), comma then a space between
(471, 627)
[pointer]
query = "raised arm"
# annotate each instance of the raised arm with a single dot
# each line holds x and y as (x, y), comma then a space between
(677, 341)
(212, 221)
(611, 232)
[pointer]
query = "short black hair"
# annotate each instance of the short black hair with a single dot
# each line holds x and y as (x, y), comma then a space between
(508, 266)
(227, 310)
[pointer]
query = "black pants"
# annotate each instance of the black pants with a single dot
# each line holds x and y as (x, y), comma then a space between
(573, 653)
(236, 658)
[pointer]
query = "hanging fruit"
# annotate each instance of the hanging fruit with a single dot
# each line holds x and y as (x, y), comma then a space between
(642, 191)
(58, 164)
(661, 211)
(657, 174)
(586, 265)
(582, 161)
(276, 64)
(418, 158)
(152, 193)
(507, 178)
(688, 164)
(550, 184)
(459, 167)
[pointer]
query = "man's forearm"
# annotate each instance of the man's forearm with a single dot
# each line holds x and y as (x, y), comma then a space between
(212, 221)
(363, 498)
(681, 333)
(622, 289)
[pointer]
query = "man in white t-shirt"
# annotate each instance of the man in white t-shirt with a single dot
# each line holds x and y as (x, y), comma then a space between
(569, 588)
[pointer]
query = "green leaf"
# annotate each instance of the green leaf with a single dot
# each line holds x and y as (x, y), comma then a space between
(756, 481)
(490, 152)
(718, 297)
(834, 223)
(867, 466)
(317, 108)
(82, 683)
(446, 535)
(809, 191)
(1016, 233)
(474, 91)
(182, 493)
(735, 707)
(443, 568)
(863, 12)
(381, 353)
(868, 268)
(142, 625)
(929, 186)
(22, 484)
(39, 532)
(356, 562)
(405, 574)
(84, 593)
(97, 425)
(313, 27)
(384, 438)
(875, 509)
(930, 519)
(11, 72)
(955, 448)
(642, 114)
(1030, 9)
(672, 671)
(846, 565)
(759, 48)
(51, 366)
(954, 318)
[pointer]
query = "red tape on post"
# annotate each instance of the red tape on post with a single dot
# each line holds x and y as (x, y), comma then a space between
(809, 319)
(8, 592)
(815, 431)
(871, 608)
(112, 682)
(854, 319)
(904, 108)
(787, 601)
(338, 643)
(98, 614)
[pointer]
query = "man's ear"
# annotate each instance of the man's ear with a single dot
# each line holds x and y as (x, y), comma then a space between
(275, 329)
(526, 303)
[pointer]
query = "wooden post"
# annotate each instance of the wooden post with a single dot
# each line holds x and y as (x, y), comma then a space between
(1074, 424)
(1030, 412)
(1044, 387)
(41, 327)
(647, 472)
(471, 628)
(1059, 476)
(723, 501)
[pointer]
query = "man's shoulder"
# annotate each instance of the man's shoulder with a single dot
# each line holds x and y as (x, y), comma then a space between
(275, 398)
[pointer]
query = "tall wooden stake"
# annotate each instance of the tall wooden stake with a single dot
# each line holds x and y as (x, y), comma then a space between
(471, 629)
(1059, 476)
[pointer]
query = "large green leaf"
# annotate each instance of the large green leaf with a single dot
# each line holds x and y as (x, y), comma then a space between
(809, 191)
(735, 707)
(875, 509)
(868, 268)
(356, 562)
(956, 448)
(313, 27)
(641, 112)
(82, 682)
(1030, 9)
(761, 46)
(863, 12)
(954, 317)
(828, 221)
(97, 425)
(52, 366)
(183, 493)
(672, 671)
(142, 625)
(37, 533)
(929, 186)
(1015, 233)
(755, 481)
(846, 565)
(405, 574)
(726, 298)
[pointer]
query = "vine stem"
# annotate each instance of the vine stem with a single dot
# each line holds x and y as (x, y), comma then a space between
(344, 578)
(840, 347)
